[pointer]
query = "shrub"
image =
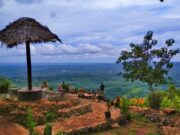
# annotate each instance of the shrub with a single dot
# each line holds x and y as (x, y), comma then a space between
(50, 117)
(138, 117)
(66, 87)
(31, 123)
(155, 100)
(124, 106)
(60, 133)
(172, 98)
(48, 130)
(4, 85)
(171, 91)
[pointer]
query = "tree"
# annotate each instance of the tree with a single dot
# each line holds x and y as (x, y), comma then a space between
(146, 63)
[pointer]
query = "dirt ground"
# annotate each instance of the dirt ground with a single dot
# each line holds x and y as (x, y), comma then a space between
(10, 128)
(90, 119)
(93, 118)
(133, 128)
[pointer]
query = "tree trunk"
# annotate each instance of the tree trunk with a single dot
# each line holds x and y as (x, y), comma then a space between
(150, 87)
(29, 73)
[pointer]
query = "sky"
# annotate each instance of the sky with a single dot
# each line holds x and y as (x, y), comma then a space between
(91, 30)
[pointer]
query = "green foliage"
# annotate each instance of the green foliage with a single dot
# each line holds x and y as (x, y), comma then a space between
(48, 130)
(171, 91)
(155, 100)
(172, 98)
(50, 117)
(134, 92)
(4, 85)
(31, 123)
(60, 133)
(66, 87)
(153, 134)
(146, 63)
(174, 104)
(137, 117)
(124, 106)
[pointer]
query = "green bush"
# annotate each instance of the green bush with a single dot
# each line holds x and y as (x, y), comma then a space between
(50, 117)
(155, 99)
(66, 87)
(178, 91)
(124, 106)
(172, 98)
(171, 91)
(60, 133)
(31, 123)
(4, 85)
(48, 130)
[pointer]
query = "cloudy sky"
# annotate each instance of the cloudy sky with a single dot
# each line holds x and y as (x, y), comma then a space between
(91, 30)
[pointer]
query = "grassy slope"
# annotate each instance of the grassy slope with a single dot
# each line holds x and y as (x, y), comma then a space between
(138, 126)
(133, 128)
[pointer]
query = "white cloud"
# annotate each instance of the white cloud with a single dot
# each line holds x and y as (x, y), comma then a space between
(94, 28)
(100, 51)
(171, 16)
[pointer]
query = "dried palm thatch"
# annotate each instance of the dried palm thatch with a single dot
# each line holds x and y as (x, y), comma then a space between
(26, 30)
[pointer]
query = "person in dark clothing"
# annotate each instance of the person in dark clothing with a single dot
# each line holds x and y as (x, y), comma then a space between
(102, 87)
(101, 92)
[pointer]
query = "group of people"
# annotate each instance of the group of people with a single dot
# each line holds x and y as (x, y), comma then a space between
(99, 94)
(95, 94)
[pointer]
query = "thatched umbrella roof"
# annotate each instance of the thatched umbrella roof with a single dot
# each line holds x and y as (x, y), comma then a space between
(26, 30)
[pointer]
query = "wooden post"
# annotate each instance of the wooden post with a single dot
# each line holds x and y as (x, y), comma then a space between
(29, 72)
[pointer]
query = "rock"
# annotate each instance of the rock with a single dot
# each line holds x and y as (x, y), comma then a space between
(137, 109)
(122, 121)
(170, 130)
(166, 122)
(169, 111)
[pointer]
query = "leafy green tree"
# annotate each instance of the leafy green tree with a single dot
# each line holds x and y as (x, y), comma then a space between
(4, 85)
(171, 91)
(148, 63)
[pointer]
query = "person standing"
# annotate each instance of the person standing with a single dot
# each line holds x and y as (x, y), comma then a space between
(101, 92)
(60, 89)
(102, 87)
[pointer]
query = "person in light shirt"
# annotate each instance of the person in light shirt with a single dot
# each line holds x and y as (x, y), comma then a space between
(60, 89)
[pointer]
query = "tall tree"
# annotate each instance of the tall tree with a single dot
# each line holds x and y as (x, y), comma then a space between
(147, 63)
